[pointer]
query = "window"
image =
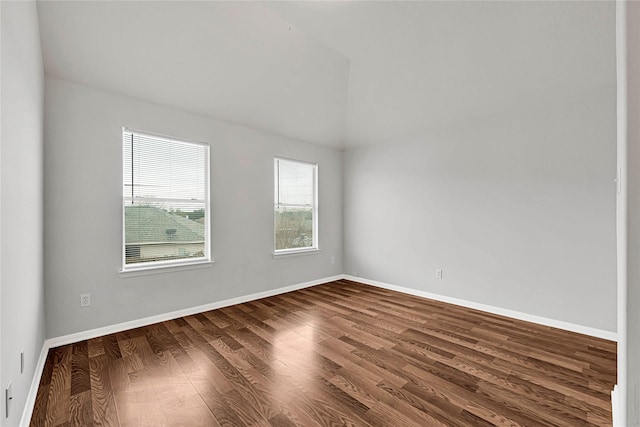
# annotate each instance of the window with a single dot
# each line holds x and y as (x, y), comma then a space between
(295, 207)
(165, 196)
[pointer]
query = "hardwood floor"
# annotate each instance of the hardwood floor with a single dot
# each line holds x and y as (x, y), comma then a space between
(337, 354)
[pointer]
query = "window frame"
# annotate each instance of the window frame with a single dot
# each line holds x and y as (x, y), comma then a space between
(167, 264)
(315, 247)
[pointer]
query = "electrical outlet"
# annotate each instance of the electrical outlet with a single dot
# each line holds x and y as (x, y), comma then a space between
(22, 361)
(8, 396)
(85, 300)
(438, 273)
(333, 259)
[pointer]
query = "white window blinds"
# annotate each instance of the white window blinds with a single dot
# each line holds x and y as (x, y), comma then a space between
(165, 200)
(295, 207)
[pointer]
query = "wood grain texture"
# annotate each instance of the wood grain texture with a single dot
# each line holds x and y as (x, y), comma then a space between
(337, 354)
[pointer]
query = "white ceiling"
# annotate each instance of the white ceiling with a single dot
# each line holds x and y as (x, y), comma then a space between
(237, 62)
(336, 73)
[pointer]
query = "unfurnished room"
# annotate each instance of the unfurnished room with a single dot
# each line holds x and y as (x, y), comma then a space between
(320, 213)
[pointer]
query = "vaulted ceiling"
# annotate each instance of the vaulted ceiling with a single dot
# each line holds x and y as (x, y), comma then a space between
(336, 73)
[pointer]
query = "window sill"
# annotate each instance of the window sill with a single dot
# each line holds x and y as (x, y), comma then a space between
(159, 269)
(299, 252)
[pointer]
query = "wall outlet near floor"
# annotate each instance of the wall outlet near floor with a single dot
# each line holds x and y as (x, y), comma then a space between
(8, 396)
(333, 259)
(438, 273)
(85, 300)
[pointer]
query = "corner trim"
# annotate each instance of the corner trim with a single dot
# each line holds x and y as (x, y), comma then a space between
(615, 407)
(33, 389)
(572, 327)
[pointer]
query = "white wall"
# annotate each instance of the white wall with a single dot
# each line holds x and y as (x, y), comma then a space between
(83, 174)
(633, 214)
(518, 209)
(21, 283)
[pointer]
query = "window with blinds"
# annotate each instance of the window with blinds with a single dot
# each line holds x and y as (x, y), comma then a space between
(295, 205)
(165, 196)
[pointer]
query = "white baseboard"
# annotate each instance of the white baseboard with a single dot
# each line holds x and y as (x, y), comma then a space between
(598, 333)
(106, 330)
(93, 333)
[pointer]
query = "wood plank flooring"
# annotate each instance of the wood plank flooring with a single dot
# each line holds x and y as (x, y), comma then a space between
(338, 354)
